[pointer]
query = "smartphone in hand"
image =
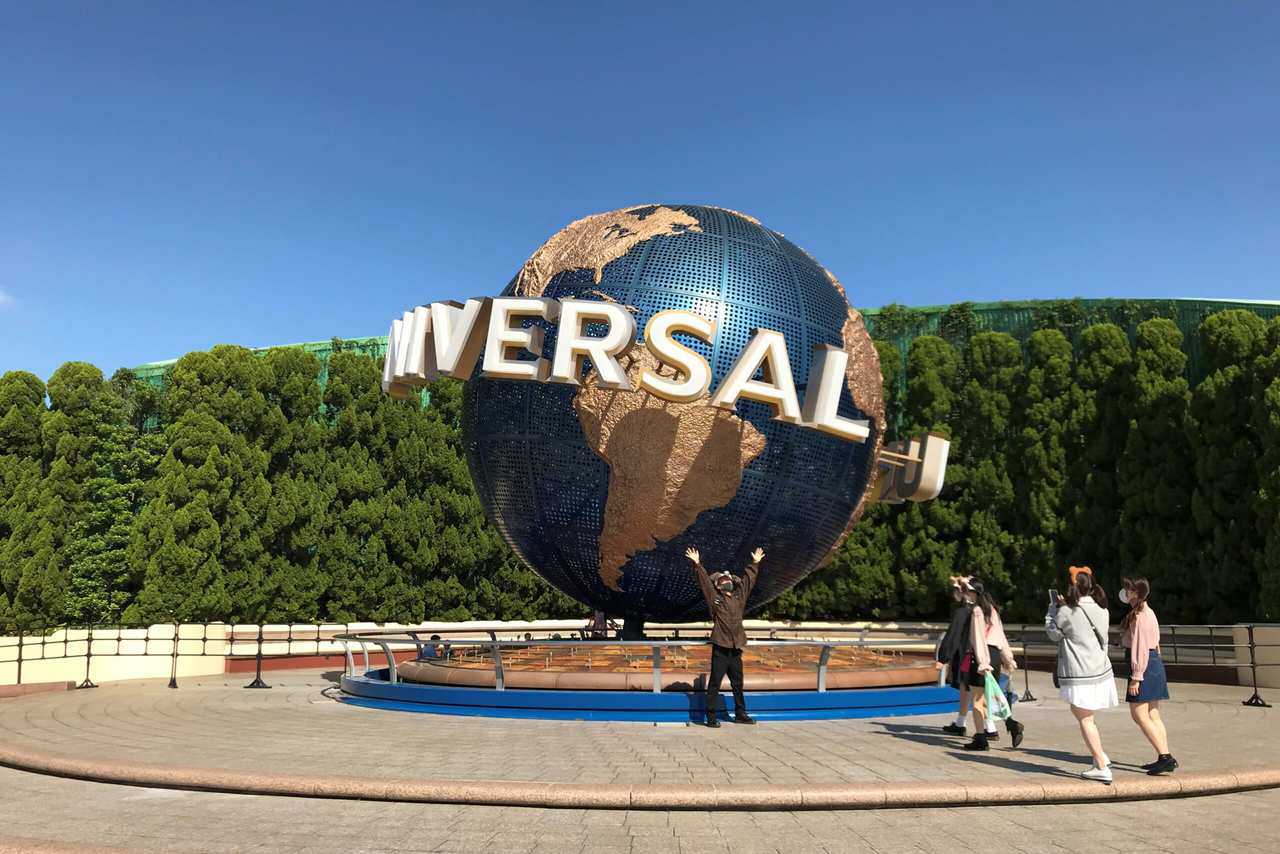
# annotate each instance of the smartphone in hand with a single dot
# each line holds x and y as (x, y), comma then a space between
(1054, 598)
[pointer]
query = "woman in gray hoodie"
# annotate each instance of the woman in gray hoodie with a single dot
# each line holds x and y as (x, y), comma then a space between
(1084, 677)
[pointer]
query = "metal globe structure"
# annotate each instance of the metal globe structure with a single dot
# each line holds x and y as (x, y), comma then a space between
(546, 483)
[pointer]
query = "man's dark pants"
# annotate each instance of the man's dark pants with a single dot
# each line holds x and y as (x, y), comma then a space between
(725, 659)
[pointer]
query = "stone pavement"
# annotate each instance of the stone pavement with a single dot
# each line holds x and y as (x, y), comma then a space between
(39, 813)
(297, 728)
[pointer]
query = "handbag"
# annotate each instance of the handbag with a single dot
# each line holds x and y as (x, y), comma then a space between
(966, 663)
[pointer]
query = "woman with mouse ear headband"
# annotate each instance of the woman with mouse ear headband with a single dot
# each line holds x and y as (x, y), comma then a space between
(1079, 625)
(950, 653)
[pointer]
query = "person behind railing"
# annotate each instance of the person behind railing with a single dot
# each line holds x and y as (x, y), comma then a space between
(950, 654)
(1083, 673)
(1147, 684)
(599, 629)
(430, 650)
(727, 599)
(988, 651)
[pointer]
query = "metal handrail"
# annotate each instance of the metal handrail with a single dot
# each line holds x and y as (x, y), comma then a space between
(655, 647)
(1187, 643)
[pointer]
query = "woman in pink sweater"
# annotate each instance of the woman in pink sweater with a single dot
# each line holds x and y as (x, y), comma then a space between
(989, 650)
(1147, 682)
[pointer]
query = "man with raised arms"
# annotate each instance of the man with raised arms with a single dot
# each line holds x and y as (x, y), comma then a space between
(727, 597)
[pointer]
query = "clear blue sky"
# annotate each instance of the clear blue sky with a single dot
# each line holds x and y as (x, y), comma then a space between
(174, 175)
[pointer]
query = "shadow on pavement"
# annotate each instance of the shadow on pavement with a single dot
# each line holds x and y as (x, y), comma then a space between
(1000, 761)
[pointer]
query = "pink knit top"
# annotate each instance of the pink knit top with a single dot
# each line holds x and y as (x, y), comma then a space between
(985, 635)
(1142, 636)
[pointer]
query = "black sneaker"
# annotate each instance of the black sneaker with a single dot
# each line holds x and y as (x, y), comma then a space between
(952, 729)
(1015, 731)
(743, 718)
(979, 742)
(1163, 765)
(713, 721)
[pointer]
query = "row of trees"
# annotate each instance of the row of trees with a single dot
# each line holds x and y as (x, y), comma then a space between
(1096, 453)
(245, 491)
(250, 490)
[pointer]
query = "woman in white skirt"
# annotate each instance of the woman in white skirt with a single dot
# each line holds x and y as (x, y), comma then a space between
(1079, 626)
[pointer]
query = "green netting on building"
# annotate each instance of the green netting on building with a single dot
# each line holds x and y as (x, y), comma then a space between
(900, 324)
(154, 373)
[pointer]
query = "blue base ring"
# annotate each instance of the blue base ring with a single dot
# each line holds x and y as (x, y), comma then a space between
(373, 690)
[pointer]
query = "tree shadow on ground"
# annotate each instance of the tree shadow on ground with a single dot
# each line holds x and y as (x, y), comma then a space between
(334, 676)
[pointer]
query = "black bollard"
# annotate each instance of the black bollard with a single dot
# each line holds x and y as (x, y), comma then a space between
(257, 676)
(88, 657)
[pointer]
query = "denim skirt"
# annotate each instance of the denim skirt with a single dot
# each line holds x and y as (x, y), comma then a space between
(1154, 685)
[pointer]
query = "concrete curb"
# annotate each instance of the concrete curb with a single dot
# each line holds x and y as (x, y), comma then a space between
(28, 688)
(515, 793)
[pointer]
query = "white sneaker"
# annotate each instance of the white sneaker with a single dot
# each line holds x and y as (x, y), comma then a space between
(1102, 775)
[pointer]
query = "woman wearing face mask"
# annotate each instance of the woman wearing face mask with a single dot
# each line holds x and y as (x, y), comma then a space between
(1147, 683)
(989, 650)
(1084, 677)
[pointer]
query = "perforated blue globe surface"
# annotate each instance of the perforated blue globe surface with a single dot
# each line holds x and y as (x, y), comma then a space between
(545, 488)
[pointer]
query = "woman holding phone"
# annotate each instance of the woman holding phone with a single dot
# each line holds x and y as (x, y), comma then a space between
(1147, 683)
(1084, 677)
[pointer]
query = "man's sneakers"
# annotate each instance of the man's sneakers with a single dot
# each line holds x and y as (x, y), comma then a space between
(954, 729)
(1101, 775)
(1016, 731)
(713, 721)
(743, 718)
(1163, 765)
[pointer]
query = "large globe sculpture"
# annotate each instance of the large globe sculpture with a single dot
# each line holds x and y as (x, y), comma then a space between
(601, 491)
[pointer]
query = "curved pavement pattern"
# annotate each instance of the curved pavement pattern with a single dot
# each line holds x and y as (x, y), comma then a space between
(296, 739)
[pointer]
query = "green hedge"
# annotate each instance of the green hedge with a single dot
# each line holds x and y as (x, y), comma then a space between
(283, 486)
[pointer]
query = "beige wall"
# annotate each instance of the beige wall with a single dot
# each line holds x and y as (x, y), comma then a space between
(117, 654)
(1268, 677)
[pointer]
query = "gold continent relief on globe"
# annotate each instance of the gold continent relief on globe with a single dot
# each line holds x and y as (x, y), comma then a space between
(669, 462)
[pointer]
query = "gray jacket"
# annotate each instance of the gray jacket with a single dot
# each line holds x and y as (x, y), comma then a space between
(1082, 647)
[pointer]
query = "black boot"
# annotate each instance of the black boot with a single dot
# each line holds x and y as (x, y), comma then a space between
(1163, 765)
(979, 742)
(953, 729)
(743, 718)
(1015, 731)
(712, 720)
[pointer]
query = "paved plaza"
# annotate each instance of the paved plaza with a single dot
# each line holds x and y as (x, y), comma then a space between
(298, 728)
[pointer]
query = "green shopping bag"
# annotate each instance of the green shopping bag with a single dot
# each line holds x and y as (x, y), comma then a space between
(997, 704)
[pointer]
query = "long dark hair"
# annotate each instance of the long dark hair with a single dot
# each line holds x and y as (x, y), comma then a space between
(1139, 589)
(985, 602)
(1083, 586)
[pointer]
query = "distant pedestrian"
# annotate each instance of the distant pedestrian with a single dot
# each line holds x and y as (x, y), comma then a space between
(726, 597)
(1147, 682)
(989, 651)
(1083, 673)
